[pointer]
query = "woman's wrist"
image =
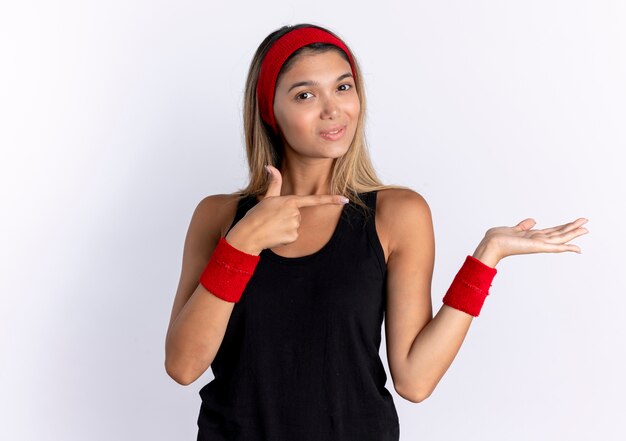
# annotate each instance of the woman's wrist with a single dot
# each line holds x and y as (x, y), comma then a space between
(245, 244)
(486, 253)
(470, 286)
(228, 271)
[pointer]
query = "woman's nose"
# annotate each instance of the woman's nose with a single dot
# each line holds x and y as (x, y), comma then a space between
(330, 107)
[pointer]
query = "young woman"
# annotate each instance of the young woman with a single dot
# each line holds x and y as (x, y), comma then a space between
(285, 283)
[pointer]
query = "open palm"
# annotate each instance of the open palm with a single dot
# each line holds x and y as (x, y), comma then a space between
(522, 239)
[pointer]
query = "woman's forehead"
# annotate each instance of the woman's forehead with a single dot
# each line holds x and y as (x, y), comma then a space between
(318, 67)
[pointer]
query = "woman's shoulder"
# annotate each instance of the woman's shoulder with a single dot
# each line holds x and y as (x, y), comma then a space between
(394, 199)
(219, 199)
(399, 210)
(218, 210)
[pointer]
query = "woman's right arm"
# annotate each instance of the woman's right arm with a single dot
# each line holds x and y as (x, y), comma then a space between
(199, 318)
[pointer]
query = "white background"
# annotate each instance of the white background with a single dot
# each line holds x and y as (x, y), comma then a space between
(118, 117)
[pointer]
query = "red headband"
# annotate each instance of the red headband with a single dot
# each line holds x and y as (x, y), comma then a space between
(276, 57)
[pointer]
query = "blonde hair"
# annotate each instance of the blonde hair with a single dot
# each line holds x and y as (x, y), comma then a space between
(351, 173)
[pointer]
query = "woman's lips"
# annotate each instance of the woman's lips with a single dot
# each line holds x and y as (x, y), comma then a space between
(333, 136)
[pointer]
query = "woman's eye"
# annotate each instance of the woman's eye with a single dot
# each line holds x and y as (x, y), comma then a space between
(299, 95)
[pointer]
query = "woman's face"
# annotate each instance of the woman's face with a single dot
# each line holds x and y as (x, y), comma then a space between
(315, 96)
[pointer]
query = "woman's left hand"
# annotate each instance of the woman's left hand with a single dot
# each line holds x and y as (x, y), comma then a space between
(522, 239)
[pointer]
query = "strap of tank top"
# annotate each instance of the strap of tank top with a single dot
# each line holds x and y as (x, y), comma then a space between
(241, 202)
(370, 226)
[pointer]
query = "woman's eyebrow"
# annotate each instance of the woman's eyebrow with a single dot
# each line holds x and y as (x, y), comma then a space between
(315, 83)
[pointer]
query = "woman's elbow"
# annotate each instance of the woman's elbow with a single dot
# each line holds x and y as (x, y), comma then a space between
(414, 394)
(179, 376)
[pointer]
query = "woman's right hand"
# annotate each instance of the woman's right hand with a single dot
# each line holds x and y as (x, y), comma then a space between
(274, 221)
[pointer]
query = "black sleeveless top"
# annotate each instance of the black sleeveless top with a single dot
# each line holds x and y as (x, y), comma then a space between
(300, 357)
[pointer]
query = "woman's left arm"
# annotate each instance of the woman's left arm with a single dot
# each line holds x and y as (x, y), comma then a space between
(420, 348)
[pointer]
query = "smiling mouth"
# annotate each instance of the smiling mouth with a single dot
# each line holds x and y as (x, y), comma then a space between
(333, 135)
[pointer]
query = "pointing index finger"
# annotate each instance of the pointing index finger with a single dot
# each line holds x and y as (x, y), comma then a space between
(320, 199)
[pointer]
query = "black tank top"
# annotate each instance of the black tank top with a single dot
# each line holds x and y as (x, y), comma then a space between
(300, 357)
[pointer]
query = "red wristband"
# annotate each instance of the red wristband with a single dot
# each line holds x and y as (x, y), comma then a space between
(470, 287)
(228, 271)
